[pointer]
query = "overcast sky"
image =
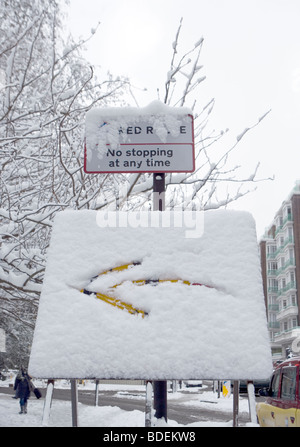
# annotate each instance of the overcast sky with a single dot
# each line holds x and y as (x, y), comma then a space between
(251, 58)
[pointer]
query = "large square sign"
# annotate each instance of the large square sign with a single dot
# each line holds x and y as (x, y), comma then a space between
(156, 138)
(155, 296)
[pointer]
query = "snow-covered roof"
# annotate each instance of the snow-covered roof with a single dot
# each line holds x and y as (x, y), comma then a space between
(210, 322)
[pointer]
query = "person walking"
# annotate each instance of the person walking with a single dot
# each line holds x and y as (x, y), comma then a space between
(23, 389)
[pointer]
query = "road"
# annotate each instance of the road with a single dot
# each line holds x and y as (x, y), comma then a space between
(135, 400)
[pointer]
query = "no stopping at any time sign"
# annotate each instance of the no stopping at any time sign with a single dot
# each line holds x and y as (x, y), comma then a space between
(156, 138)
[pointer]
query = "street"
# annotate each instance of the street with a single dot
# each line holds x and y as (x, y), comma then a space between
(179, 410)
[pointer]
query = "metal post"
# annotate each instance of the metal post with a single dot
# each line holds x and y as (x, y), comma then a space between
(47, 403)
(148, 415)
(174, 386)
(160, 386)
(251, 400)
(158, 192)
(236, 403)
(74, 398)
(160, 399)
(96, 392)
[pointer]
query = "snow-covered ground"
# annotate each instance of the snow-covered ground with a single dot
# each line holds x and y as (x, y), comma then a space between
(112, 416)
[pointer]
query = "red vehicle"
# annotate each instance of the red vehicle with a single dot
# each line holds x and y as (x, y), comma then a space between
(282, 405)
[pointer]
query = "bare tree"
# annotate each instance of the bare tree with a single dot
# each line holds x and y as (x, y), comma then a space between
(204, 188)
(46, 87)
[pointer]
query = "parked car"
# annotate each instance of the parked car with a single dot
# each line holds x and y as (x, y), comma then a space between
(282, 405)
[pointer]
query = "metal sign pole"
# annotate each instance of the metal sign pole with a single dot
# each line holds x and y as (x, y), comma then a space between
(149, 390)
(74, 398)
(251, 400)
(159, 386)
(236, 403)
(96, 393)
(158, 192)
(48, 403)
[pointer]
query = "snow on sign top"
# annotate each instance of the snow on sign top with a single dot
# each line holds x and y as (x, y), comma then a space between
(156, 138)
(123, 300)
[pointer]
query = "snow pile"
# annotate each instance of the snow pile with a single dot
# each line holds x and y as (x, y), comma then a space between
(61, 415)
(215, 330)
(163, 118)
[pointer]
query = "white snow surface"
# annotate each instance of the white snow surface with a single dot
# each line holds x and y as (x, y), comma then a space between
(165, 121)
(60, 414)
(190, 332)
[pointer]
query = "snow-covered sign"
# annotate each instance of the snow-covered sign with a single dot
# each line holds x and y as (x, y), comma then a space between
(2, 340)
(157, 302)
(156, 138)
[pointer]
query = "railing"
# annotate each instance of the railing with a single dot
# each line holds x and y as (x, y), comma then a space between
(287, 332)
(273, 289)
(274, 325)
(289, 263)
(290, 285)
(274, 307)
(288, 218)
(288, 240)
(287, 311)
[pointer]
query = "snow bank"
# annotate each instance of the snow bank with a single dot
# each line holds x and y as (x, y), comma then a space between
(217, 330)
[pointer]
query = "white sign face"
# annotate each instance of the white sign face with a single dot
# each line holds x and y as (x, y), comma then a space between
(2, 340)
(139, 143)
(131, 299)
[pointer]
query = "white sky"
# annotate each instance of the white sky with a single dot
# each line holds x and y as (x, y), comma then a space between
(251, 58)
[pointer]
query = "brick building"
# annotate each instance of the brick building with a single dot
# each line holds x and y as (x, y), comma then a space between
(280, 261)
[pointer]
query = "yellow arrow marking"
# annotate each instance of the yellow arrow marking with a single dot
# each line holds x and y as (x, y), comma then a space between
(127, 306)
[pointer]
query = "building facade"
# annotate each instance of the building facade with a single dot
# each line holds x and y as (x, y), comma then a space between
(280, 262)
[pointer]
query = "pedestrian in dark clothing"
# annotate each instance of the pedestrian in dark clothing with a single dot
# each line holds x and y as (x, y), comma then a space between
(22, 387)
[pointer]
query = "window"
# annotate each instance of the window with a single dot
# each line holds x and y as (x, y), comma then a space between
(288, 383)
(271, 249)
(273, 285)
(272, 265)
(275, 384)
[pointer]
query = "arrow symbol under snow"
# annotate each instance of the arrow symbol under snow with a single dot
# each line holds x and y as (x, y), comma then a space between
(110, 299)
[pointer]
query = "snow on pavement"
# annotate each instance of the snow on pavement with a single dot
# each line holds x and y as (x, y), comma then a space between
(112, 416)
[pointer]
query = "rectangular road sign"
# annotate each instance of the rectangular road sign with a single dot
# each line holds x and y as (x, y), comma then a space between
(134, 140)
(115, 284)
